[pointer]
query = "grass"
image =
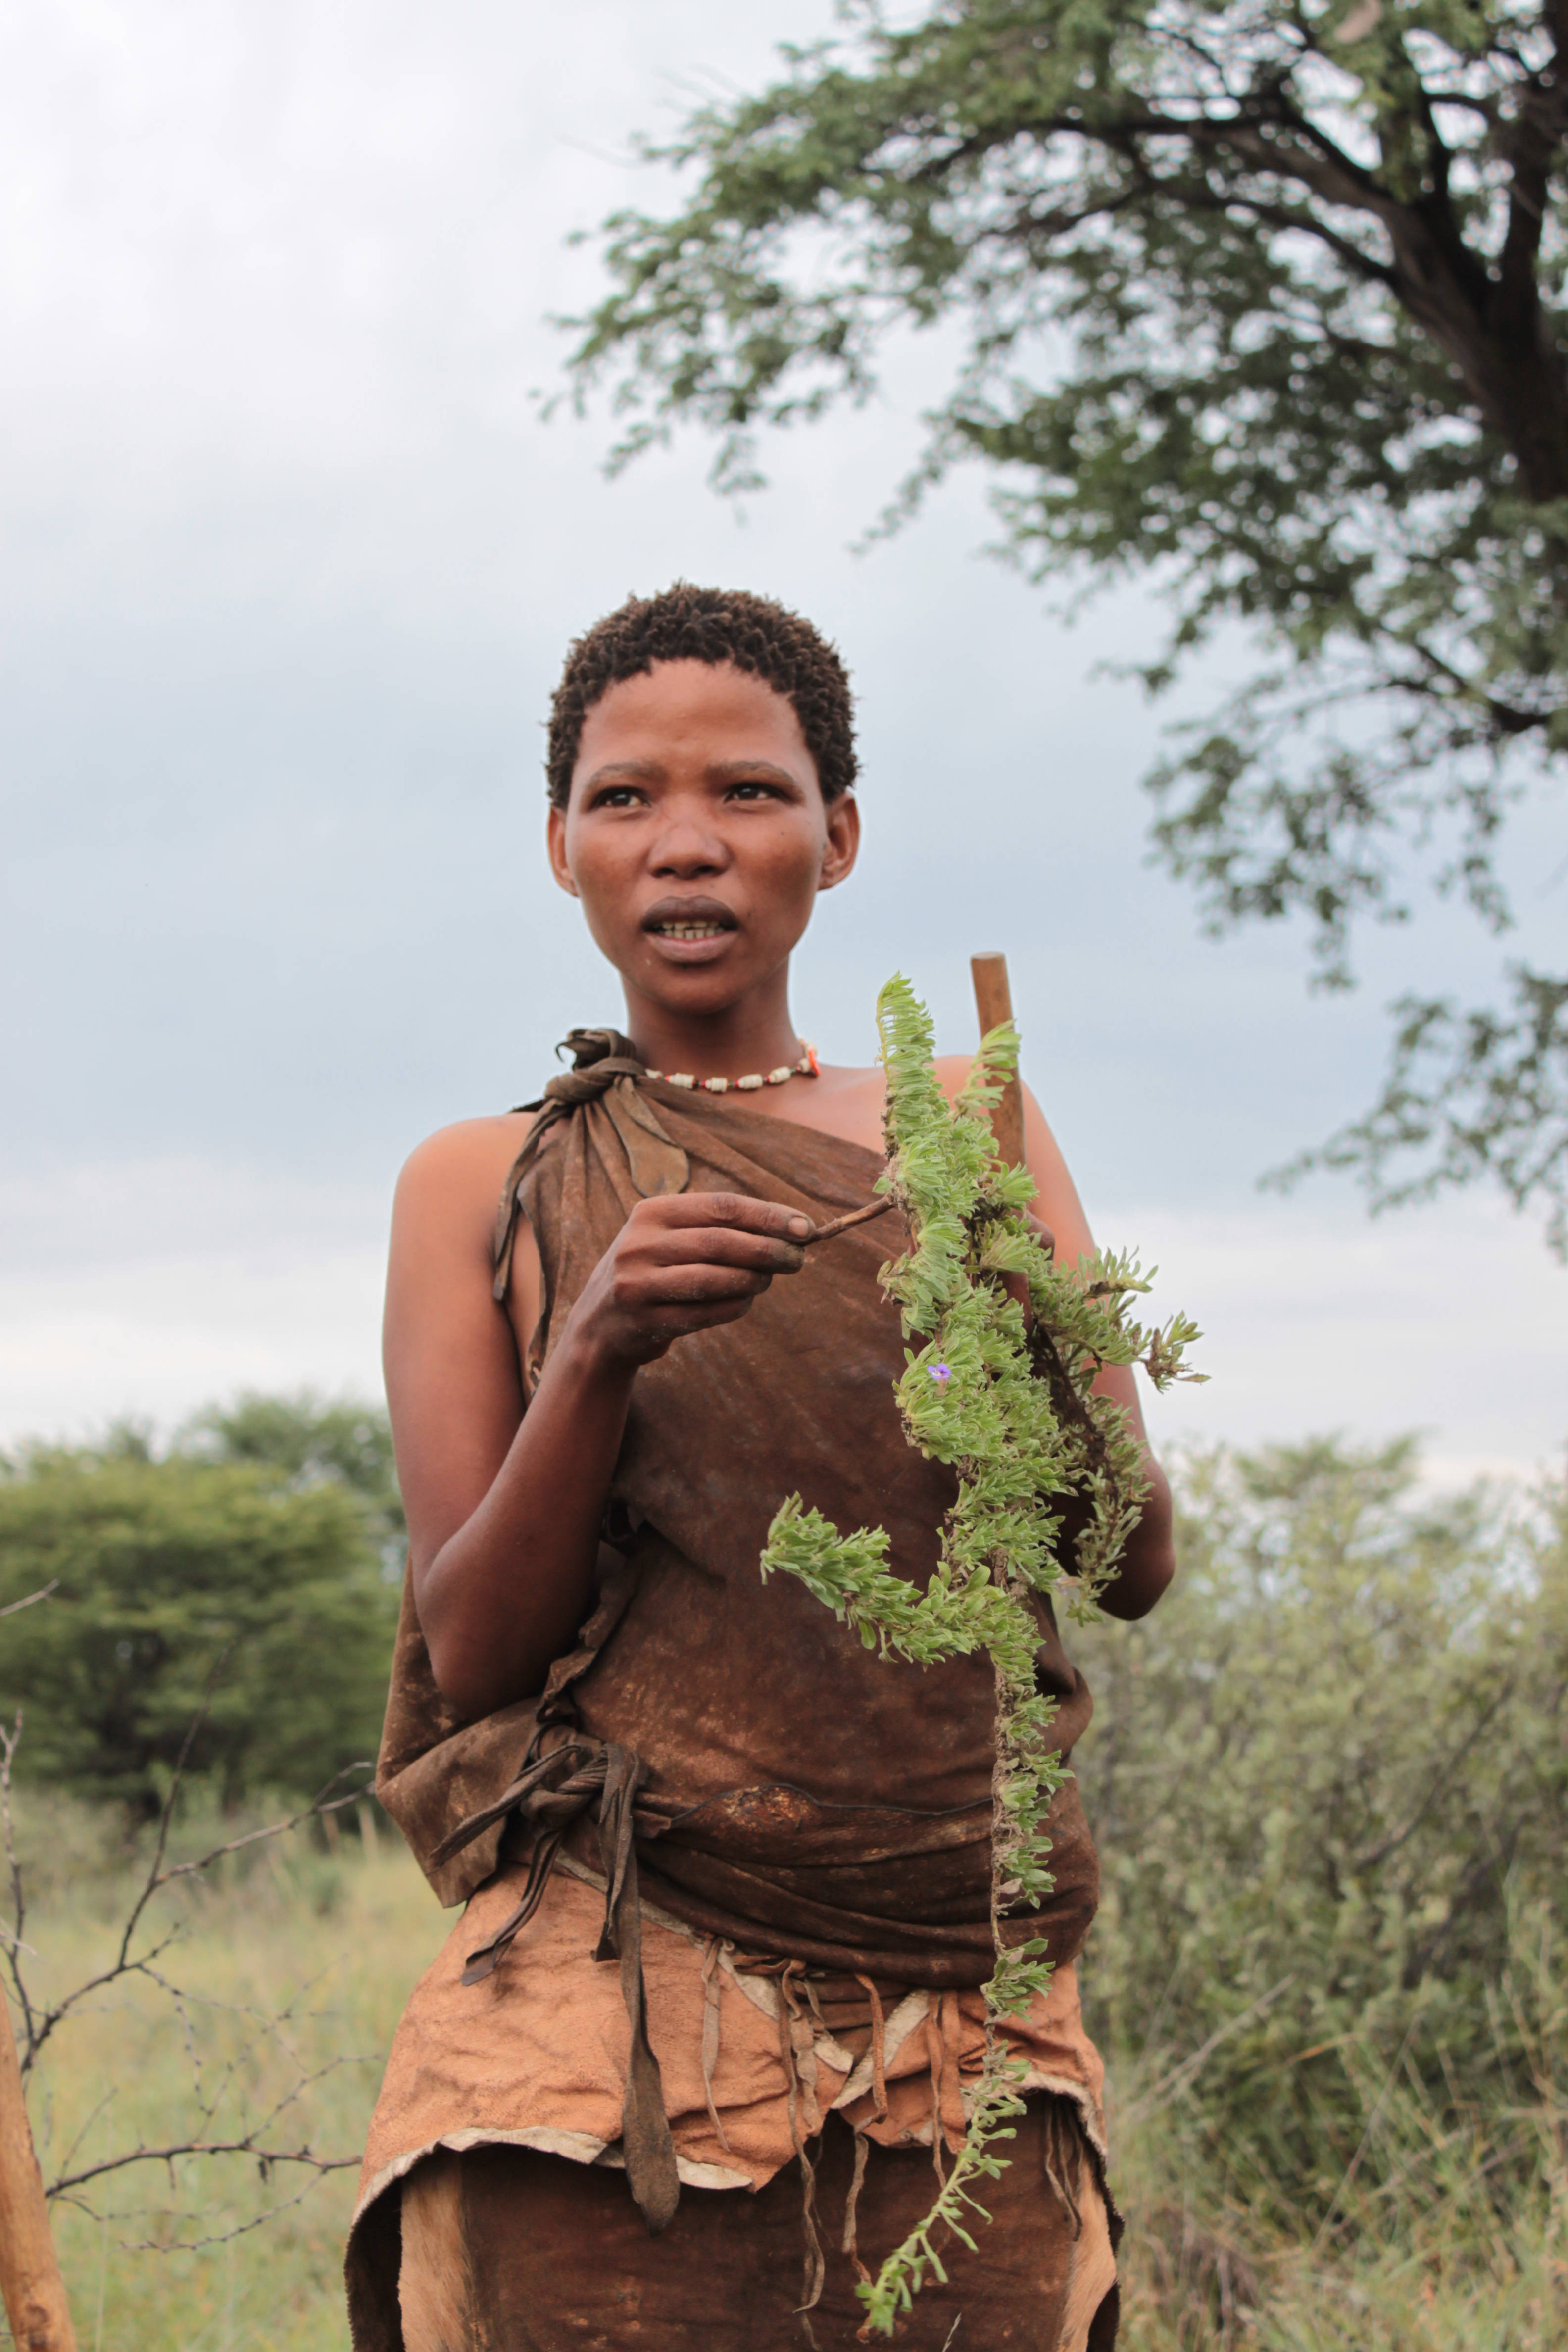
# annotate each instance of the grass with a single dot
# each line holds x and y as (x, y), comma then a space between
(296, 1967)
(292, 1975)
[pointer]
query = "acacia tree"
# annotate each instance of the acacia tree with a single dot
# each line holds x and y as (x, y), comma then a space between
(1259, 298)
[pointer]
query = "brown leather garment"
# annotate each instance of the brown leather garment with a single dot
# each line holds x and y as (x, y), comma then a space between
(524, 2253)
(798, 1793)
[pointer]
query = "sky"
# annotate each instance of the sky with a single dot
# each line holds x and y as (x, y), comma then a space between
(289, 555)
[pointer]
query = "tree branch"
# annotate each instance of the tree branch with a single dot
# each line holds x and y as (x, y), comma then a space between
(246, 2145)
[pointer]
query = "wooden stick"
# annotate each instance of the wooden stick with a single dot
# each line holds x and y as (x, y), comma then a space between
(994, 1002)
(842, 1224)
(30, 2278)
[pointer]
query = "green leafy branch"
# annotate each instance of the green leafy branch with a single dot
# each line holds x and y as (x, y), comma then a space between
(1008, 1400)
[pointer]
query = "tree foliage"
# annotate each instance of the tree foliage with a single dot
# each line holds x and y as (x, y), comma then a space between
(1262, 298)
(245, 1579)
(308, 1441)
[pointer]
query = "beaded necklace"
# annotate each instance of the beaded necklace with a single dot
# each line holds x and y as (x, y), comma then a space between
(806, 1067)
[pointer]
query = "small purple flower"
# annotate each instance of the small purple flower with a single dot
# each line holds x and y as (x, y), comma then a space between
(940, 1374)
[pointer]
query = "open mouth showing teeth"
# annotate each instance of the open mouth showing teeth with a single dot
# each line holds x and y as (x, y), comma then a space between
(691, 931)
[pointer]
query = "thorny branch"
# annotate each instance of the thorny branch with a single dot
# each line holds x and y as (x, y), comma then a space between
(248, 2143)
(38, 2021)
(43, 1592)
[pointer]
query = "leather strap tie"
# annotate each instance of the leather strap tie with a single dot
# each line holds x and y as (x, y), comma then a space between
(605, 1072)
(555, 1788)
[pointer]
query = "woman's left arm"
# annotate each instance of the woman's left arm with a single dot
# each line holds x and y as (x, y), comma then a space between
(1150, 1560)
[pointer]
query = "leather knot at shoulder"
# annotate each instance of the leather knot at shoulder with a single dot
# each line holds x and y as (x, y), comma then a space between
(599, 1057)
(602, 1084)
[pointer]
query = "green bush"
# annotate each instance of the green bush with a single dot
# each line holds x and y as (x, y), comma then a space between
(308, 1441)
(265, 1577)
(1329, 1778)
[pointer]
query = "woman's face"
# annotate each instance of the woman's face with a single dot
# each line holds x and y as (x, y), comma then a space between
(696, 835)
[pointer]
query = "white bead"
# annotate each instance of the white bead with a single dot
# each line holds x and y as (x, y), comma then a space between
(748, 1085)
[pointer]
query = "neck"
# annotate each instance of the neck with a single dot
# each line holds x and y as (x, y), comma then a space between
(756, 1034)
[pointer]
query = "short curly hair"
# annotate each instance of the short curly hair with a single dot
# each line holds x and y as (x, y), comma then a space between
(708, 625)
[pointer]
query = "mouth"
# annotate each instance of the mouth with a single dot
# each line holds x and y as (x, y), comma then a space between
(689, 922)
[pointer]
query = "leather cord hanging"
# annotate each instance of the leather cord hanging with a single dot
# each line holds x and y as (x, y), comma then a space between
(559, 1782)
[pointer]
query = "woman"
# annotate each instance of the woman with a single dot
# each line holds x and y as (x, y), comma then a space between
(689, 2062)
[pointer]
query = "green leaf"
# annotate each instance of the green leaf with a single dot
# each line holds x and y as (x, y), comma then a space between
(972, 1394)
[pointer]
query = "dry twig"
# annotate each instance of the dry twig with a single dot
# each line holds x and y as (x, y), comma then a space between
(38, 2021)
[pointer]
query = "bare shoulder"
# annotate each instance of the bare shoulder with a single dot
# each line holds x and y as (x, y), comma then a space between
(455, 1176)
(953, 1074)
(1058, 1200)
(470, 1142)
(848, 1102)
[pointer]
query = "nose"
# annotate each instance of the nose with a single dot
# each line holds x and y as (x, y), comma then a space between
(688, 846)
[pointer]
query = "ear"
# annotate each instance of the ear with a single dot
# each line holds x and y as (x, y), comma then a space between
(555, 843)
(843, 840)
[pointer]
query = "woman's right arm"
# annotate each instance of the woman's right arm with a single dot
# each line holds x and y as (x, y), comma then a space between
(505, 1507)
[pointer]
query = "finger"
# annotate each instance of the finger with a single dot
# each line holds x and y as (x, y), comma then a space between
(722, 1245)
(1017, 1290)
(687, 1284)
(661, 1329)
(679, 1323)
(737, 1210)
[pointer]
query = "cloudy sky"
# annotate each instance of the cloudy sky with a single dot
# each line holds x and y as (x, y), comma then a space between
(290, 560)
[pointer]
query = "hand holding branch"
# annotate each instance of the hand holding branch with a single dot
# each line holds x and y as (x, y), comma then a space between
(685, 1263)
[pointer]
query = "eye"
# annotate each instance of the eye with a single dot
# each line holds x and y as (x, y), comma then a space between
(617, 796)
(752, 788)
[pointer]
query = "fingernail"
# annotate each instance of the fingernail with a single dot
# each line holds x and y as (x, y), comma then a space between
(800, 1227)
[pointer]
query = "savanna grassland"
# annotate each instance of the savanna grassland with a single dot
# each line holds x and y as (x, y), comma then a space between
(1329, 1780)
(291, 1976)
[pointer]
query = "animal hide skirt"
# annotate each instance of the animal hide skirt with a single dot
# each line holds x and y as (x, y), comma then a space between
(509, 2249)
